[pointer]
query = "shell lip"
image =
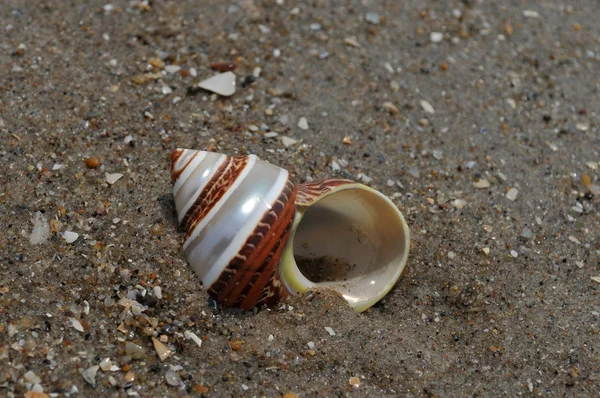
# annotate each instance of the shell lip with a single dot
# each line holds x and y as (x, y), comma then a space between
(296, 282)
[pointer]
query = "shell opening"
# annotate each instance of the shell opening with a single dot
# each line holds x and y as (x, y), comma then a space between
(355, 241)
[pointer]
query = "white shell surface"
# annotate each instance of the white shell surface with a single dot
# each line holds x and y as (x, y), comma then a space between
(222, 84)
(220, 233)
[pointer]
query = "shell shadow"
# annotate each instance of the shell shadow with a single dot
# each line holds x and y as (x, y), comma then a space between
(167, 208)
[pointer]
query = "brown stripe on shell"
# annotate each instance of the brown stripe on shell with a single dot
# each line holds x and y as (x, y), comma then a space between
(174, 158)
(309, 192)
(254, 269)
(218, 185)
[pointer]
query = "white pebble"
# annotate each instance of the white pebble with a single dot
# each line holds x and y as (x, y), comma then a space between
(485, 250)
(303, 123)
(436, 37)
(112, 178)
(270, 338)
(89, 375)
(481, 184)
(311, 345)
(76, 325)
(329, 330)
(222, 84)
(194, 337)
(172, 68)
(512, 194)
(531, 14)
(70, 236)
(157, 292)
(459, 203)
(514, 254)
(427, 107)
(287, 141)
(41, 229)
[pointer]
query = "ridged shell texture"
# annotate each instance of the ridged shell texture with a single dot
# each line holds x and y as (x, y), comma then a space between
(237, 212)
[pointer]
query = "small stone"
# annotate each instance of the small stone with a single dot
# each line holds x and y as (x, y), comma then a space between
(526, 233)
(105, 364)
(200, 388)
(596, 278)
(347, 140)
(156, 62)
(222, 84)
(89, 375)
(373, 18)
(41, 229)
(394, 85)
(32, 378)
(329, 330)
(192, 336)
(134, 351)
(303, 123)
(157, 290)
(437, 154)
(287, 141)
(592, 165)
(172, 68)
(112, 178)
(393, 109)
(579, 264)
(352, 42)
(36, 394)
(172, 378)
(75, 324)
(354, 381)
(70, 236)
(581, 127)
(270, 338)
(512, 194)
(511, 102)
(574, 240)
(459, 203)
(451, 255)
(481, 184)
(530, 14)
(311, 345)
(162, 350)
(427, 107)
(485, 250)
(514, 253)
(129, 377)
(436, 37)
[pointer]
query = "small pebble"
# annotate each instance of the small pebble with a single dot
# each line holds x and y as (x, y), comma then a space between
(105, 364)
(134, 351)
(75, 324)
(112, 178)
(89, 375)
(157, 290)
(311, 345)
(512, 194)
(354, 381)
(393, 109)
(373, 18)
(514, 254)
(287, 141)
(485, 250)
(223, 84)
(162, 350)
(530, 14)
(427, 107)
(351, 41)
(303, 123)
(481, 184)
(69, 236)
(436, 37)
(459, 203)
(172, 68)
(526, 233)
(129, 377)
(172, 378)
(329, 330)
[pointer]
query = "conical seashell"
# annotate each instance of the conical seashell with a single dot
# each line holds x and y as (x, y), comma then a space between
(253, 237)
(222, 84)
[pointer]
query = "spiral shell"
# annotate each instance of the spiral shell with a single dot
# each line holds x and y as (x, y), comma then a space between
(253, 237)
(237, 212)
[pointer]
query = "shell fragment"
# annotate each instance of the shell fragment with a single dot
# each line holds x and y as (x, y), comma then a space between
(222, 84)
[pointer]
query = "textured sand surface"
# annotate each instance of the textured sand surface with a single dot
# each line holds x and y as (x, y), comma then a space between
(479, 119)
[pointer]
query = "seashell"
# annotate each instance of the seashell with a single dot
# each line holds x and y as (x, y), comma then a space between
(253, 236)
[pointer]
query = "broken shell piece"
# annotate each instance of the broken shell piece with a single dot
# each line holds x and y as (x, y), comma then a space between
(254, 237)
(222, 84)
(162, 350)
